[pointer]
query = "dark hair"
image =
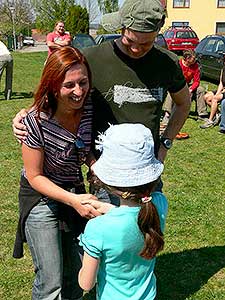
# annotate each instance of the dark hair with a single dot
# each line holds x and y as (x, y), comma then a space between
(188, 53)
(148, 218)
(58, 63)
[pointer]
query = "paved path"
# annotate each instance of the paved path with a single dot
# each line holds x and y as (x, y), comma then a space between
(38, 47)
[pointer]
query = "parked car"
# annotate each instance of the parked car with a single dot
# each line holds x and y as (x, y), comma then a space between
(28, 41)
(101, 38)
(181, 38)
(210, 54)
(82, 40)
(160, 40)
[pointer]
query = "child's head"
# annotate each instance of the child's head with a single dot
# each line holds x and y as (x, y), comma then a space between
(128, 158)
(128, 168)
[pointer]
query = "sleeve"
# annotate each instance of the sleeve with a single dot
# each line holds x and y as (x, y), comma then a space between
(178, 81)
(35, 137)
(161, 204)
(50, 37)
(91, 239)
(196, 78)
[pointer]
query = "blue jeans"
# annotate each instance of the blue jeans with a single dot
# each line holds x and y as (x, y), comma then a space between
(55, 254)
(222, 110)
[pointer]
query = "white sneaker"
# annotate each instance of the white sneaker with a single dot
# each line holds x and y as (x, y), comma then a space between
(208, 123)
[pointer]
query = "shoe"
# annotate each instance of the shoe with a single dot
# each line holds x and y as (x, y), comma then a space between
(182, 136)
(222, 131)
(208, 123)
(217, 119)
(202, 117)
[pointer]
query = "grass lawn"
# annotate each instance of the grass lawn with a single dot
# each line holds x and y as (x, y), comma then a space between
(192, 265)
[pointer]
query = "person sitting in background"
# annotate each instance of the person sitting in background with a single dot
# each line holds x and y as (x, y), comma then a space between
(222, 121)
(58, 38)
(6, 62)
(191, 73)
(213, 99)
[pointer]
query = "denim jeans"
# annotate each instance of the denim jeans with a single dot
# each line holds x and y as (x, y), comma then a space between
(55, 254)
(222, 110)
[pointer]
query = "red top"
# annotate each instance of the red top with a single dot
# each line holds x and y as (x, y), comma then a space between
(191, 75)
(54, 37)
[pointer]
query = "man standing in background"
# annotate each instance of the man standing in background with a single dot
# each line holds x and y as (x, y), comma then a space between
(58, 38)
(6, 62)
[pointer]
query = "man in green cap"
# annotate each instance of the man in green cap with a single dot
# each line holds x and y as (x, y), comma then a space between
(131, 75)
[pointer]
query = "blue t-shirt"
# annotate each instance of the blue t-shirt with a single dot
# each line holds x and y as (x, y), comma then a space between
(116, 240)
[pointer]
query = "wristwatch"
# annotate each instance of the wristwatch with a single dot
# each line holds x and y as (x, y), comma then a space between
(166, 142)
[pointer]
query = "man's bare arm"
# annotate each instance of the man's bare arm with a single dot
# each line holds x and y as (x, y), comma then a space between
(181, 108)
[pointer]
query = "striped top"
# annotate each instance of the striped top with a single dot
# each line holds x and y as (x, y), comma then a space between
(62, 158)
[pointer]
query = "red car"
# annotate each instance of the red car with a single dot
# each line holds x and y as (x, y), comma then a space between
(181, 38)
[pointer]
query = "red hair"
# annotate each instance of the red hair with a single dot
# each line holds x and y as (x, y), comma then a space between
(58, 63)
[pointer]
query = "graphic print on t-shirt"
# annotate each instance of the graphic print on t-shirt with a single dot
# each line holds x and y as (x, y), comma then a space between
(123, 94)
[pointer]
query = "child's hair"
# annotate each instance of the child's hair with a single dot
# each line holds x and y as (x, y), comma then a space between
(148, 218)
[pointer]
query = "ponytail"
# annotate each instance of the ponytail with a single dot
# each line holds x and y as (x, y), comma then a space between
(149, 225)
(148, 218)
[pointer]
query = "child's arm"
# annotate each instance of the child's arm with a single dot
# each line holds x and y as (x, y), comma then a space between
(88, 272)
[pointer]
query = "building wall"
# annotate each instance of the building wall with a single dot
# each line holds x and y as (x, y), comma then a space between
(202, 16)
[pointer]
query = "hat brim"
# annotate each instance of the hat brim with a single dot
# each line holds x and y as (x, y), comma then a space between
(112, 21)
(129, 177)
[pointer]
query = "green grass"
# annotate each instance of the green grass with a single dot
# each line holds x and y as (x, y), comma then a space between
(192, 265)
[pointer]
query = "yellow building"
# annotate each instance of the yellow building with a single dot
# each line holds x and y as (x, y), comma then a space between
(204, 16)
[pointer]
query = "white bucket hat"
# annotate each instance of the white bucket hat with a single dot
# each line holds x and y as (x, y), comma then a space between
(127, 158)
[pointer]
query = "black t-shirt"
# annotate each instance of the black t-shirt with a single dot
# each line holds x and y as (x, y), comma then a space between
(127, 90)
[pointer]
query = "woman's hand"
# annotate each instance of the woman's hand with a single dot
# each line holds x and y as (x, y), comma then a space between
(87, 211)
(19, 130)
(100, 207)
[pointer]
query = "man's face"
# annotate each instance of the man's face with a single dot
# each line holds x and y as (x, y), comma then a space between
(137, 44)
(60, 28)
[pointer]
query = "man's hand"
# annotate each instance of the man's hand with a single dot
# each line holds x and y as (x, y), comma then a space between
(19, 130)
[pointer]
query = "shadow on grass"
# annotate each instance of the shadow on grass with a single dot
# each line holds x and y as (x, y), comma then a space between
(17, 95)
(180, 275)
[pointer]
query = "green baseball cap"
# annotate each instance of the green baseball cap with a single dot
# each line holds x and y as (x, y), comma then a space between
(138, 15)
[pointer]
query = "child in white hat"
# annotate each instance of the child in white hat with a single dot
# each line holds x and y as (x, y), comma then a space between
(120, 246)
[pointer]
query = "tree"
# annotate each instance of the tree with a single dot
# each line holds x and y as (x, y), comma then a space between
(92, 8)
(77, 20)
(48, 12)
(108, 6)
(18, 16)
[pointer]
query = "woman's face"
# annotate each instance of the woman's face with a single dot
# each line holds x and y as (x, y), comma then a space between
(74, 88)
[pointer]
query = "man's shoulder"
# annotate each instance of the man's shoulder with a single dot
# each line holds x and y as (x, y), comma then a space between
(97, 49)
(50, 35)
(160, 51)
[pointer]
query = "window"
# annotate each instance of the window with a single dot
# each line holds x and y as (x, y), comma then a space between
(210, 45)
(180, 23)
(181, 3)
(220, 27)
(220, 3)
(220, 47)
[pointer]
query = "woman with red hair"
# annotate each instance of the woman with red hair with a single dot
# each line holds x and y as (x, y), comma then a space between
(51, 187)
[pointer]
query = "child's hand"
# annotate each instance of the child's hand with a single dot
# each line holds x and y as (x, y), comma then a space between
(101, 207)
